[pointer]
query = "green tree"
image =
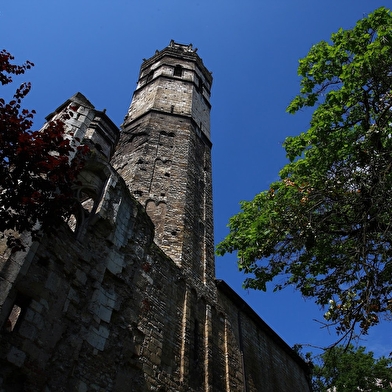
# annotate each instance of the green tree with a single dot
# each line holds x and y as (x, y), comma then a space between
(325, 226)
(350, 369)
(36, 171)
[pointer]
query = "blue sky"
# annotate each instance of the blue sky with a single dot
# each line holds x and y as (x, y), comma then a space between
(252, 48)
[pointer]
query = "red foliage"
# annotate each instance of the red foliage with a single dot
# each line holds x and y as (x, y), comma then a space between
(7, 68)
(36, 171)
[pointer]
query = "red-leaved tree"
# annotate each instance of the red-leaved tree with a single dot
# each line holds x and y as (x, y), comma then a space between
(36, 169)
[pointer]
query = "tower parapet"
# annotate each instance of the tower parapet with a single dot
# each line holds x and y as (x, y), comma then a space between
(174, 81)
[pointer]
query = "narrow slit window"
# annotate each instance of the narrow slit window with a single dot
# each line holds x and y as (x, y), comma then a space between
(72, 222)
(13, 318)
(199, 84)
(196, 339)
(150, 76)
(17, 313)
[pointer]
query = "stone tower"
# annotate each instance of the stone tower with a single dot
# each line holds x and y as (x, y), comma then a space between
(122, 295)
(164, 156)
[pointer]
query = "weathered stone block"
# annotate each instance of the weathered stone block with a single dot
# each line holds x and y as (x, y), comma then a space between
(27, 330)
(16, 356)
(97, 337)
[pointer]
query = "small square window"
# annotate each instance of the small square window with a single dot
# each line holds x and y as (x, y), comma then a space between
(177, 70)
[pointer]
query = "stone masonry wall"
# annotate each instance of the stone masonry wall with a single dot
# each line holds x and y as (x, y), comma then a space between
(96, 313)
(258, 360)
(111, 312)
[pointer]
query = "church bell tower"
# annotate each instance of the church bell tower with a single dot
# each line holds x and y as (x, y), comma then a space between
(164, 156)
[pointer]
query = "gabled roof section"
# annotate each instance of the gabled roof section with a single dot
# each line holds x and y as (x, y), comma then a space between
(180, 51)
(78, 98)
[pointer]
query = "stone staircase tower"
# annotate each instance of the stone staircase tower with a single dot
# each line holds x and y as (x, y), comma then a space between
(164, 156)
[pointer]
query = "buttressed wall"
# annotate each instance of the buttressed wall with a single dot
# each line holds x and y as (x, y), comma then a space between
(123, 296)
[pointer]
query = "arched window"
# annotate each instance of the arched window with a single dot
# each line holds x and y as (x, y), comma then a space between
(177, 70)
(87, 205)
